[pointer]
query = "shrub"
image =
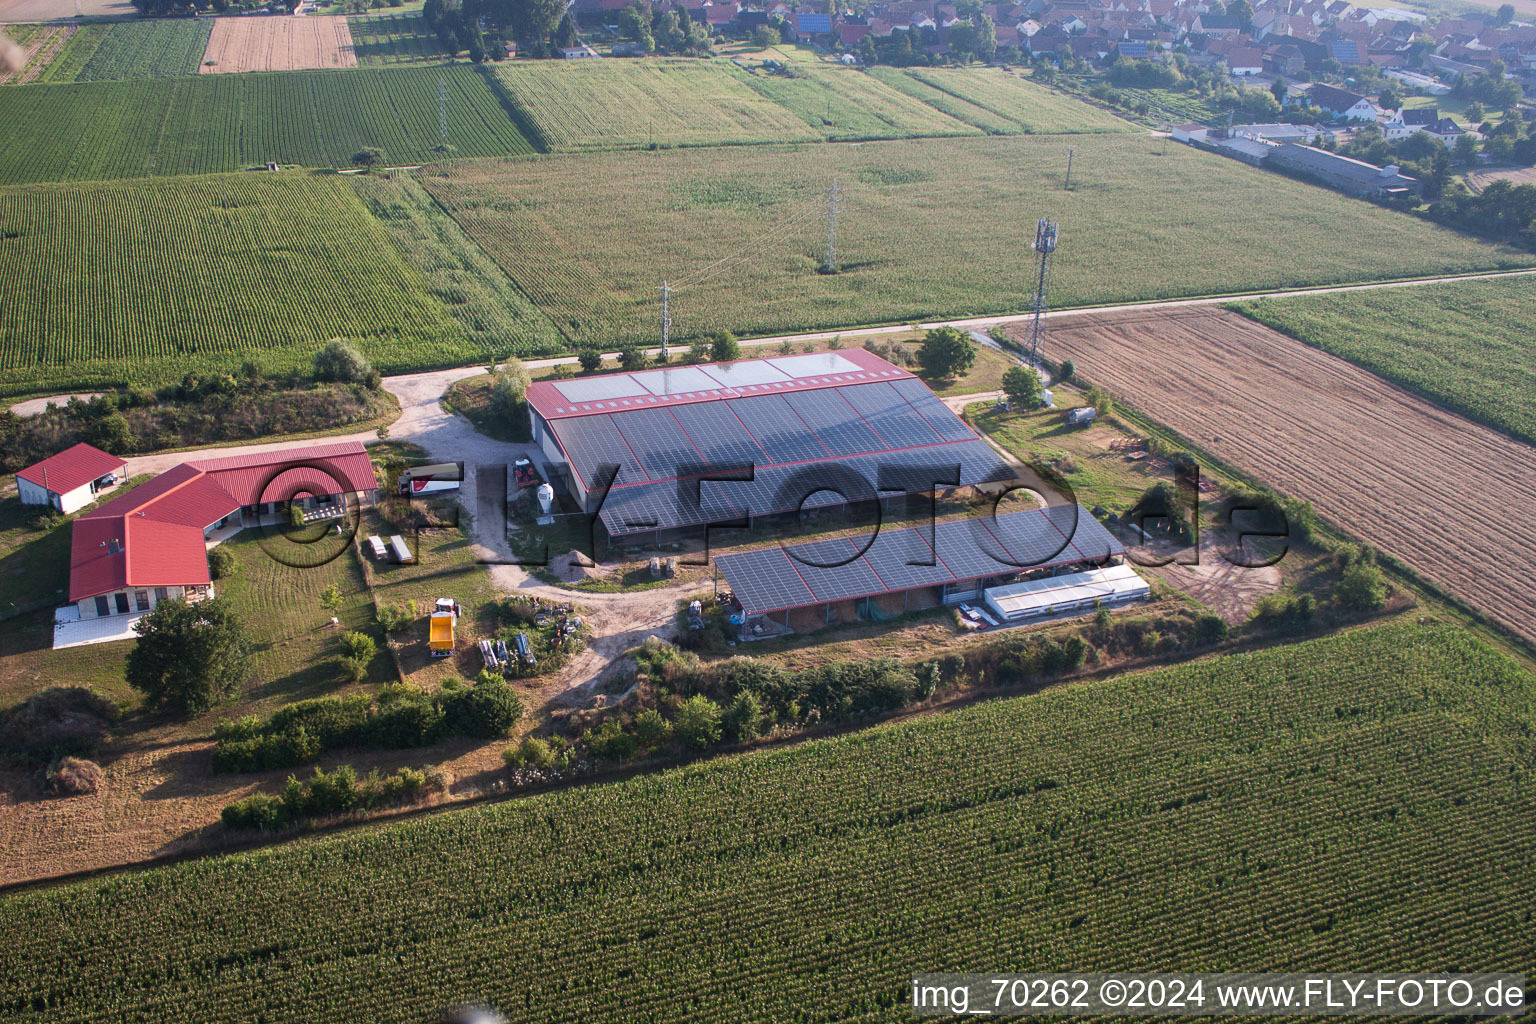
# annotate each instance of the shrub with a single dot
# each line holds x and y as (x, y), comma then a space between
(633, 358)
(325, 794)
(1101, 401)
(394, 617)
(1362, 587)
(222, 564)
(651, 729)
(533, 752)
(405, 723)
(724, 347)
(339, 361)
(610, 742)
(697, 723)
(484, 711)
(61, 721)
(590, 359)
(257, 811)
(743, 719)
(1067, 370)
(1210, 629)
(359, 646)
(74, 776)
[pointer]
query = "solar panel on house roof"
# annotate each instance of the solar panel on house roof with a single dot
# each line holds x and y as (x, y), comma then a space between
(814, 364)
(599, 389)
(676, 380)
(932, 409)
(1031, 540)
(746, 372)
(781, 433)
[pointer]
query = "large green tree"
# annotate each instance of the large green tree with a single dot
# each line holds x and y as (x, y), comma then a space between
(189, 657)
(1023, 387)
(946, 352)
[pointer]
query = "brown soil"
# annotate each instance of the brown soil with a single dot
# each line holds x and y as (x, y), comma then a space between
(278, 44)
(37, 55)
(1480, 180)
(1450, 498)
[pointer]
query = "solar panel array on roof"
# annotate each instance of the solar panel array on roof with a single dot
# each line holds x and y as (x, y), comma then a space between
(599, 389)
(878, 435)
(675, 380)
(841, 569)
(774, 489)
(814, 364)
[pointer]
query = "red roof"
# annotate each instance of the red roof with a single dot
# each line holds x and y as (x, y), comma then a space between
(707, 382)
(129, 551)
(71, 468)
(324, 469)
(153, 535)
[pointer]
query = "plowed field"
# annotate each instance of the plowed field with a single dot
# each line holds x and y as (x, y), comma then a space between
(278, 44)
(1450, 498)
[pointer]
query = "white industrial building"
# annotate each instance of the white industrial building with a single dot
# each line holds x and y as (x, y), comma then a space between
(1054, 595)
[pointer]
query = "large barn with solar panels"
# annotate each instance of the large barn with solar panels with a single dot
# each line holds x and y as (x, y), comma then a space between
(655, 452)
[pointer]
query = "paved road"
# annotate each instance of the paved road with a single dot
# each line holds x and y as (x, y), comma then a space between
(981, 322)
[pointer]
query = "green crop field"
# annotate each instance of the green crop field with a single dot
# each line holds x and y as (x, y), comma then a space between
(1001, 103)
(844, 104)
(618, 104)
(210, 123)
(161, 48)
(144, 281)
(1468, 345)
(1357, 802)
(927, 230)
(385, 39)
(498, 318)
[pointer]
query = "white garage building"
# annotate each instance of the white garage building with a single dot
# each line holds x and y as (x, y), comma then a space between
(70, 480)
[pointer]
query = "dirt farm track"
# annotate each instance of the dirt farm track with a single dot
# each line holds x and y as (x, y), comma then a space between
(1452, 499)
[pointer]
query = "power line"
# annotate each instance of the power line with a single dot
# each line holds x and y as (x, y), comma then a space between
(1045, 245)
(666, 319)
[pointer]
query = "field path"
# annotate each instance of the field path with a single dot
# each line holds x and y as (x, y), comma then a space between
(1454, 500)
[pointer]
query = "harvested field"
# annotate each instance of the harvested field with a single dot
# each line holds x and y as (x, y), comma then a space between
(278, 44)
(1479, 180)
(1448, 497)
(39, 45)
(49, 10)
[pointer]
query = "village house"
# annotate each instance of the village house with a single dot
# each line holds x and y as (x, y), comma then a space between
(150, 545)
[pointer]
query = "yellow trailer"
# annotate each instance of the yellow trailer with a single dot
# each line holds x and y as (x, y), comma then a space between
(440, 636)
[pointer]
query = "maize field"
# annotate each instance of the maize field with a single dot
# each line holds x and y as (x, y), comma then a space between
(1359, 801)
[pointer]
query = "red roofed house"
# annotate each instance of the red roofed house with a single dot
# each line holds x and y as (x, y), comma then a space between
(150, 545)
(70, 480)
